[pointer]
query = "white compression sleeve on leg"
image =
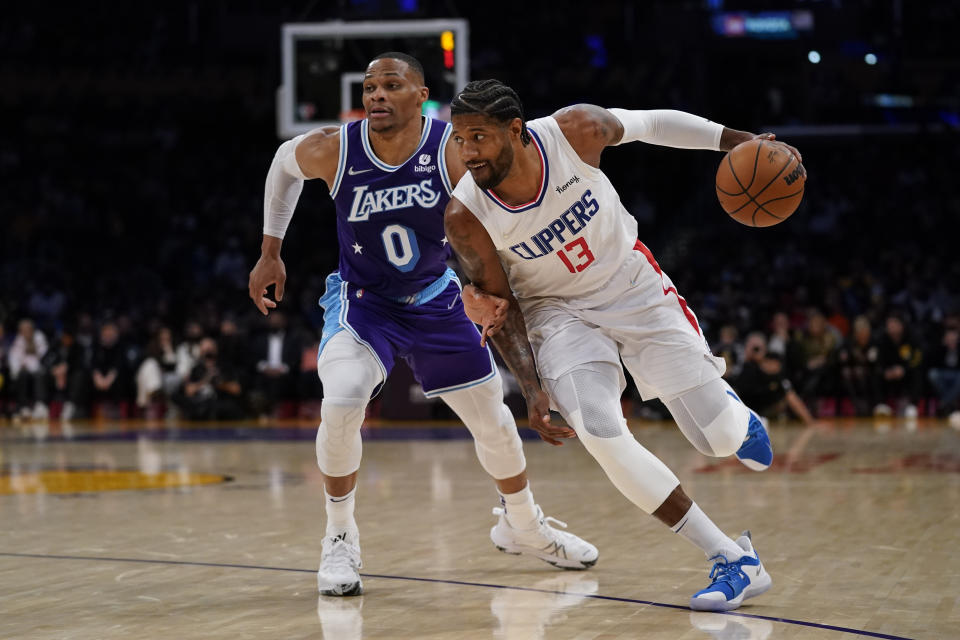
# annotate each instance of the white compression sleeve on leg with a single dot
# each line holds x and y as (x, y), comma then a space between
(712, 420)
(492, 425)
(282, 189)
(668, 128)
(589, 400)
(349, 375)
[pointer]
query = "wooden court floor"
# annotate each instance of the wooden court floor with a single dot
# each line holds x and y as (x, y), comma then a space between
(167, 531)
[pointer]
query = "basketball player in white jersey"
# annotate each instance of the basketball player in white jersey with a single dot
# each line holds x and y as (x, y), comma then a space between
(536, 223)
(382, 305)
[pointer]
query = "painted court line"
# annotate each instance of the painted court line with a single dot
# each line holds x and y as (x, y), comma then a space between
(802, 623)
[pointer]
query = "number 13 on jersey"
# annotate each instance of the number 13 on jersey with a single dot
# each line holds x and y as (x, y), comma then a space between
(583, 255)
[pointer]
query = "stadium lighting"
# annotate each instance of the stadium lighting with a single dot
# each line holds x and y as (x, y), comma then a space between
(814, 57)
(870, 58)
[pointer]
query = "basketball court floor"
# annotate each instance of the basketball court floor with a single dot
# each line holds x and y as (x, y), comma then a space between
(173, 531)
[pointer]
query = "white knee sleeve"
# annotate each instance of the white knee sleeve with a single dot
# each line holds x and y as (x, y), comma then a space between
(590, 402)
(712, 419)
(492, 425)
(349, 375)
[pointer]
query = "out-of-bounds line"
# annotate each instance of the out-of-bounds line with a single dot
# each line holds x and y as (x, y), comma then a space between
(194, 563)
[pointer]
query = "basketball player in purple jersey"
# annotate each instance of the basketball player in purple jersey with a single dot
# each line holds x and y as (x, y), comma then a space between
(537, 223)
(391, 176)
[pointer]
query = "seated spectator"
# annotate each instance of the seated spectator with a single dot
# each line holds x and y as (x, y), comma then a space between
(780, 336)
(188, 351)
(4, 372)
(232, 350)
(859, 369)
(157, 377)
(277, 355)
(944, 374)
(762, 385)
(782, 344)
(111, 374)
(68, 376)
(818, 344)
(208, 393)
(730, 350)
(26, 371)
(899, 358)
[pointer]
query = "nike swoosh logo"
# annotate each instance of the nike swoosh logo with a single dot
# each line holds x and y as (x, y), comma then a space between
(455, 298)
(356, 173)
(332, 499)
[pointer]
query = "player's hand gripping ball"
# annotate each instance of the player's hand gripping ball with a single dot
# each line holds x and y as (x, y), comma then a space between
(760, 182)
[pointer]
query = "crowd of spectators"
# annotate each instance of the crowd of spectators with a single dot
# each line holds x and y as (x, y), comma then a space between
(132, 172)
(113, 369)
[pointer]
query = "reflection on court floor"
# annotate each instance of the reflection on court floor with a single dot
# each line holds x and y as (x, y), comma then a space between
(170, 530)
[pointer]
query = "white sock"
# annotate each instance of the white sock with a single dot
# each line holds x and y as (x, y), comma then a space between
(520, 507)
(340, 515)
(696, 527)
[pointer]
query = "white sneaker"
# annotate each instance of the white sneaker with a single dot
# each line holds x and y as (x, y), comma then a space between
(882, 409)
(910, 411)
(40, 411)
(559, 548)
(954, 419)
(339, 573)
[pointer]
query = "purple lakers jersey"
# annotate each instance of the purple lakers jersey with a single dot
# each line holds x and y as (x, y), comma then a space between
(390, 218)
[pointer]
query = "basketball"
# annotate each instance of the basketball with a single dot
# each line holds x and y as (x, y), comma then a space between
(760, 183)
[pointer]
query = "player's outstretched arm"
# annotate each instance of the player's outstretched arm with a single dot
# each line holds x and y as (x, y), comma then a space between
(590, 129)
(478, 257)
(313, 155)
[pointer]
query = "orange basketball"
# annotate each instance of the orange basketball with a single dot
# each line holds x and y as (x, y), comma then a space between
(760, 183)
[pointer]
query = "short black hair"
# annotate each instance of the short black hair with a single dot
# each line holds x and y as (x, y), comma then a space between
(493, 99)
(412, 62)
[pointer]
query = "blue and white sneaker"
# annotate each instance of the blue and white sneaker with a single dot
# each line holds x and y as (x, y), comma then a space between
(733, 582)
(756, 452)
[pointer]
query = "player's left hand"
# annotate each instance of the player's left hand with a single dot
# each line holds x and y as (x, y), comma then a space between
(538, 411)
(772, 137)
(487, 310)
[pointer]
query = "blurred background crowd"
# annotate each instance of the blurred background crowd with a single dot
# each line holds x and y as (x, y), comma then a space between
(137, 138)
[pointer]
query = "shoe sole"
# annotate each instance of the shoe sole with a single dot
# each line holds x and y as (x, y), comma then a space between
(704, 604)
(343, 590)
(568, 565)
(752, 464)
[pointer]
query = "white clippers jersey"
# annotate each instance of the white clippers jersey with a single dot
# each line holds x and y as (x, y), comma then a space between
(571, 240)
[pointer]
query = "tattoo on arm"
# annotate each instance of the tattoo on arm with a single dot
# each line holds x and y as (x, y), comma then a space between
(589, 129)
(514, 348)
(479, 260)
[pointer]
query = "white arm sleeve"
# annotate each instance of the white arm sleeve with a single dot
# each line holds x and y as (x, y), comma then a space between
(282, 189)
(669, 128)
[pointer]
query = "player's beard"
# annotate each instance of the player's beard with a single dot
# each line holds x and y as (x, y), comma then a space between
(382, 127)
(498, 169)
